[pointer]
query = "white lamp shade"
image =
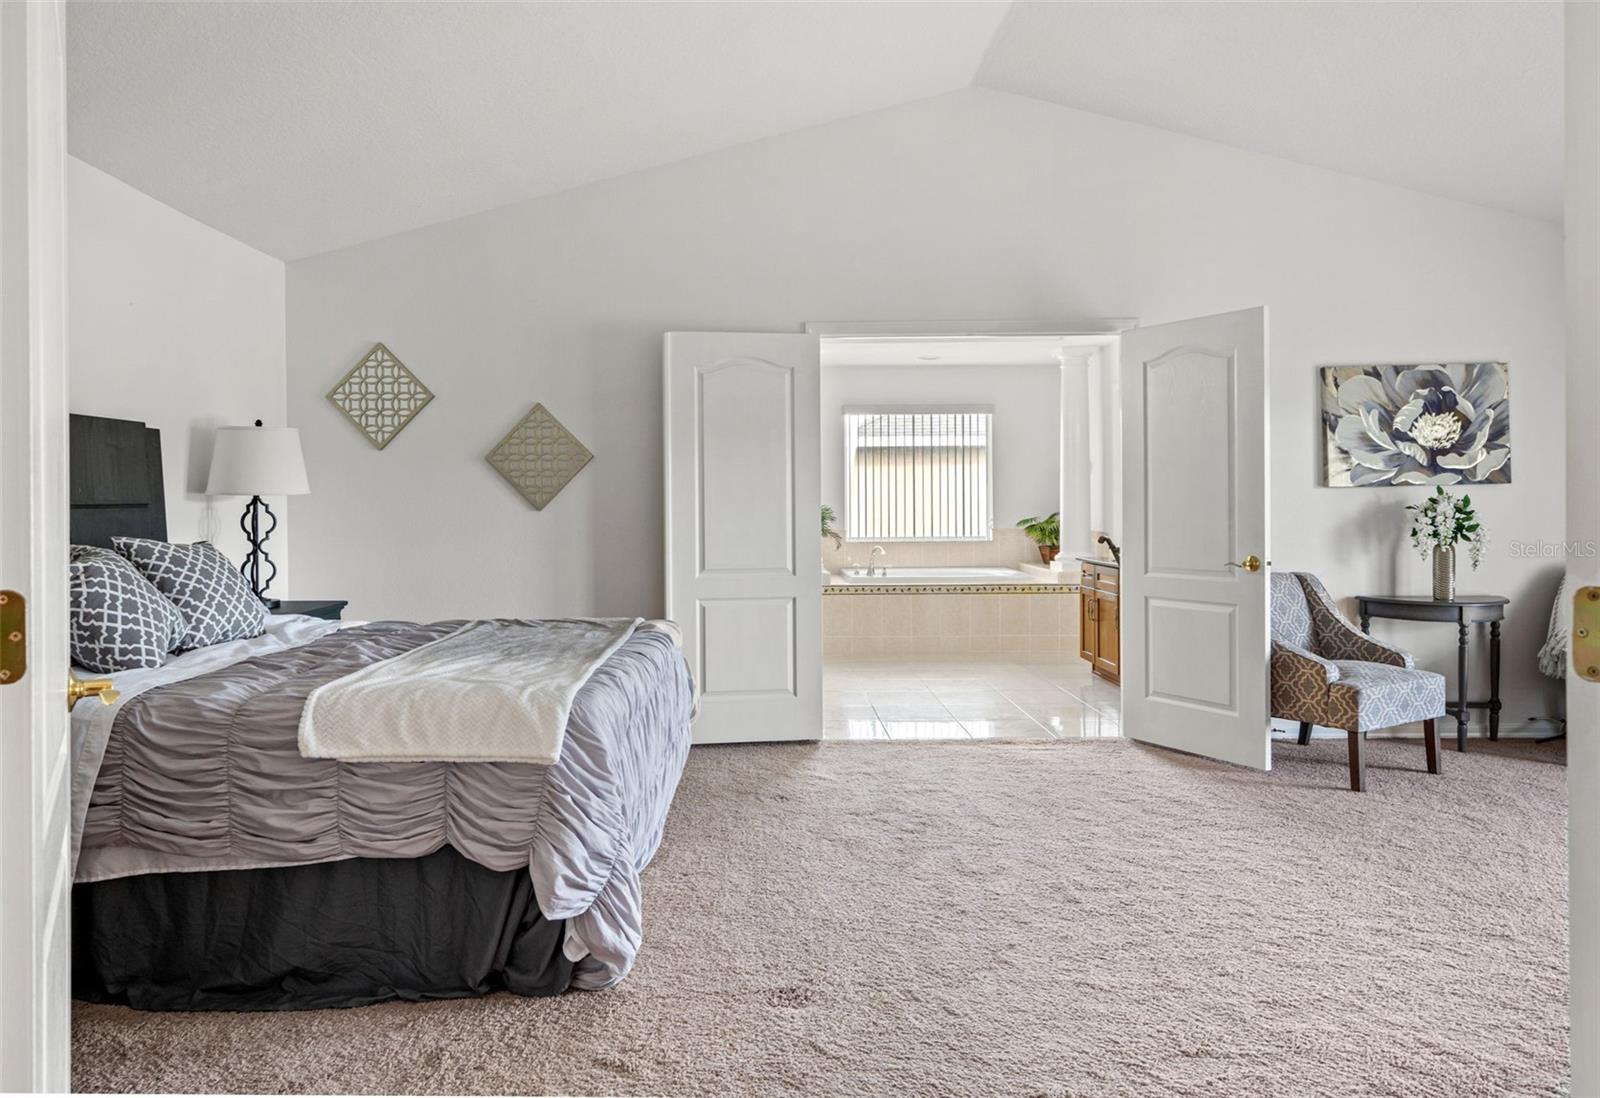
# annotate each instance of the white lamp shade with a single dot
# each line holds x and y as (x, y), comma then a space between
(257, 461)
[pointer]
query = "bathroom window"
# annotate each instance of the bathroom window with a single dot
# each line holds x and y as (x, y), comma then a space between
(918, 473)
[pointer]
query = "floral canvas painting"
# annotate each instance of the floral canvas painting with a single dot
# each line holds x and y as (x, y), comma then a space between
(1448, 423)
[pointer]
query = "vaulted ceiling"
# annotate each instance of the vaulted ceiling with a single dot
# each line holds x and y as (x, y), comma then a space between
(1456, 99)
(300, 128)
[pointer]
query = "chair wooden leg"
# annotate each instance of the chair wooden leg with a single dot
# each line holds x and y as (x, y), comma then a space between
(1431, 738)
(1358, 763)
(1305, 733)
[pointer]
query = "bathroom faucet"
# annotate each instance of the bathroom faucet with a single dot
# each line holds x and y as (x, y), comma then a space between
(876, 551)
(1116, 550)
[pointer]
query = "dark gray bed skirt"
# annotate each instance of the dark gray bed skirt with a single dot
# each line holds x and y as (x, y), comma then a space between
(337, 934)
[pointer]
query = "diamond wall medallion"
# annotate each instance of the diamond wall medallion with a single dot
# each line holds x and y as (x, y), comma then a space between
(539, 457)
(380, 396)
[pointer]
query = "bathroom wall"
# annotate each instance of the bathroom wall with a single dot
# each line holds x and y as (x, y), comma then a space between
(1026, 449)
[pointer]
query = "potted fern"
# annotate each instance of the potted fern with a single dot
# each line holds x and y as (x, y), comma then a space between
(1045, 533)
(828, 519)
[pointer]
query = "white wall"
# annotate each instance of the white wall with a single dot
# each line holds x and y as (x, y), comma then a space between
(178, 325)
(971, 205)
(1027, 424)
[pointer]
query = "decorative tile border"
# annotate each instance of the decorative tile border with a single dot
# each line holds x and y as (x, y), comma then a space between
(951, 589)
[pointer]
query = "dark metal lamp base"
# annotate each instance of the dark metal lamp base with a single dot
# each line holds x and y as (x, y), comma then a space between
(257, 560)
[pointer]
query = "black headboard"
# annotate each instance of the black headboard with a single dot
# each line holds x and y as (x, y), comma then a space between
(117, 488)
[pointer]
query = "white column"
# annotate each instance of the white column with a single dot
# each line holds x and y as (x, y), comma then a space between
(1077, 466)
(1109, 366)
(1094, 372)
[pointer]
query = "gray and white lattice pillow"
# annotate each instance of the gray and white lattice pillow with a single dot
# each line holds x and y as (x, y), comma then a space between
(77, 554)
(118, 619)
(216, 602)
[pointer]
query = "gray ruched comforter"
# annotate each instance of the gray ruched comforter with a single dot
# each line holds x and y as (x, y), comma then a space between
(206, 774)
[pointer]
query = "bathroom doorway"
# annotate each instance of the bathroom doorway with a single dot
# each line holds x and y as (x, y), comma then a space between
(967, 471)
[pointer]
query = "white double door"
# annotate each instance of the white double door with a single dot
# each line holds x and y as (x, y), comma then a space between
(743, 494)
(35, 776)
(1196, 642)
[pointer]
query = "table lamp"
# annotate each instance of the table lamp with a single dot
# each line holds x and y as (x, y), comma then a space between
(257, 461)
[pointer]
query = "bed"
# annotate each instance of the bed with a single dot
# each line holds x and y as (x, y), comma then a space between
(217, 867)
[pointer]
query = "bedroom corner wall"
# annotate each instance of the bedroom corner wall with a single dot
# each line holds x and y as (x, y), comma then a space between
(178, 325)
(975, 204)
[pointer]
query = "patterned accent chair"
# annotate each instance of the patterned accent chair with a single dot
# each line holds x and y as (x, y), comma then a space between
(1326, 671)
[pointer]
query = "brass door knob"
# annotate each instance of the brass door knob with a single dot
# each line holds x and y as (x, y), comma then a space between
(1252, 563)
(77, 689)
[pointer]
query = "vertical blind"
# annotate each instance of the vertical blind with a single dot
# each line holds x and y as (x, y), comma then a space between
(918, 473)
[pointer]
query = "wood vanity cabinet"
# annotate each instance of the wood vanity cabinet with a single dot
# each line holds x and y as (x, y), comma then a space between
(1099, 618)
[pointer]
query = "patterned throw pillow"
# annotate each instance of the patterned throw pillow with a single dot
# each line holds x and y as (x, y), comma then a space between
(77, 554)
(216, 602)
(119, 620)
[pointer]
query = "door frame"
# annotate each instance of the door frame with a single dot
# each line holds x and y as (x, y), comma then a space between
(1099, 335)
(35, 864)
(968, 329)
(1582, 226)
(1089, 354)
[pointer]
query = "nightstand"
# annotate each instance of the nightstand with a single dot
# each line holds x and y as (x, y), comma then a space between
(331, 609)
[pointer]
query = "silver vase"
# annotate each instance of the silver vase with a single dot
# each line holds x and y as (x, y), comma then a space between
(1444, 573)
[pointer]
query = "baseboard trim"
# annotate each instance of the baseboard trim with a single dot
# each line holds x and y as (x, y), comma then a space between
(1536, 728)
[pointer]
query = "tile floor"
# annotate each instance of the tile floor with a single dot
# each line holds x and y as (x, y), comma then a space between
(965, 697)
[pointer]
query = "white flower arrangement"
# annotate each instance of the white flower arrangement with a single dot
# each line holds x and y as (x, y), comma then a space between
(1441, 521)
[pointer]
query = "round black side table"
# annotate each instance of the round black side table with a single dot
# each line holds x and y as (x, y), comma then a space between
(1466, 611)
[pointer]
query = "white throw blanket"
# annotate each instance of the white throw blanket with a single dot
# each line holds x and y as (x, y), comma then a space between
(1553, 656)
(492, 691)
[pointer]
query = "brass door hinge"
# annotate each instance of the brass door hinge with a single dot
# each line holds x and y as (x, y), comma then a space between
(1586, 633)
(13, 637)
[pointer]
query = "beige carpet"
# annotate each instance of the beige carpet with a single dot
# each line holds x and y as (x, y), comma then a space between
(1053, 919)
